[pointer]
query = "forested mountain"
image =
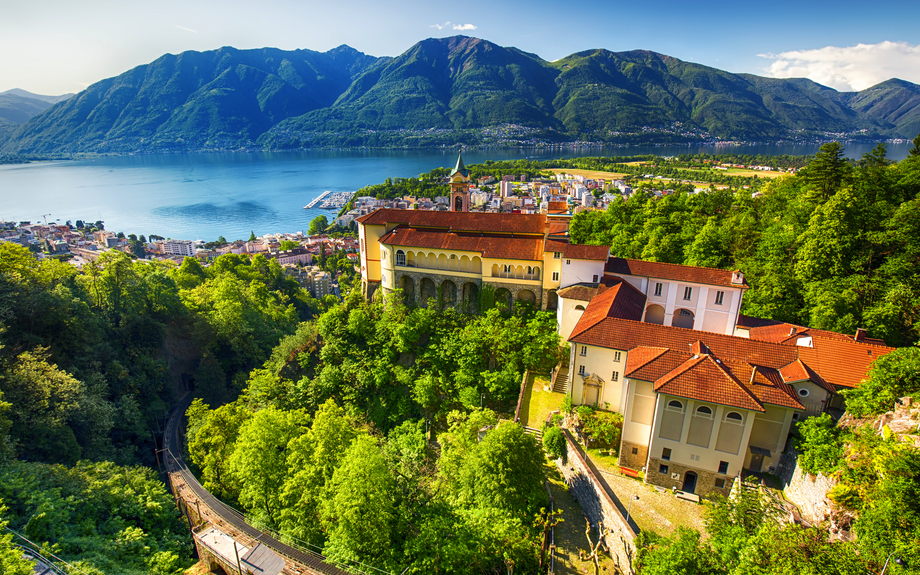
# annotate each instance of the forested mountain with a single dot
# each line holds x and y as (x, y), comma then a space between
(194, 100)
(445, 90)
(18, 106)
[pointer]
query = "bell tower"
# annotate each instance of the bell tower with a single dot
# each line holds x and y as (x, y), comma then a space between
(460, 187)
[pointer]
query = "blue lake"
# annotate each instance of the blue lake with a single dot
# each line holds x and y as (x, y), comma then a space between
(208, 195)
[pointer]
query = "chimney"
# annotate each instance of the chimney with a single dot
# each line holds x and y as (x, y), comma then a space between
(860, 334)
(792, 331)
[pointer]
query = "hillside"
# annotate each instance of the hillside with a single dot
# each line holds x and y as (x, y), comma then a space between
(18, 106)
(194, 100)
(446, 90)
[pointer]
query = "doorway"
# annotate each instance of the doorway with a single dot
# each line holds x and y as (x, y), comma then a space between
(689, 482)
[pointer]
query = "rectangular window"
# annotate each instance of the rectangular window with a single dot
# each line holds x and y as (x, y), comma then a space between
(555, 276)
(584, 350)
(617, 356)
(568, 262)
(658, 289)
(581, 370)
(635, 451)
(720, 483)
(557, 255)
(720, 295)
(663, 469)
(688, 292)
(615, 376)
(795, 417)
(594, 281)
(723, 467)
(666, 454)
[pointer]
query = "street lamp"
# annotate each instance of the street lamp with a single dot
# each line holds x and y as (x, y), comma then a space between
(897, 561)
(629, 509)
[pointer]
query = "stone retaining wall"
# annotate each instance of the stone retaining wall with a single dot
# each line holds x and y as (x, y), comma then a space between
(807, 491)
(598, 506)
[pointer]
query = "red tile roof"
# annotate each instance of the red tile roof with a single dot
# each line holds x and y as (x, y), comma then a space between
(459, 221)
(620, 300)
(653, 363)
(578, 251)
(769, 387)
(502, 247)
(676, 272)
(704, 378)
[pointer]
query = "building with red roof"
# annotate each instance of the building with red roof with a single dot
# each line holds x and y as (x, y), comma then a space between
(451, 256)
(705, 393)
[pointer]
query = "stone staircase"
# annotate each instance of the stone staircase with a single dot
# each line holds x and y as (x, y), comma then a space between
(561, 380)
(535, 432)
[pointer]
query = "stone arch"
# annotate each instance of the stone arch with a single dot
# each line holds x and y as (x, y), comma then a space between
(448, 294)
(496, 270)
(464, 264)
(519, 272)
(552, 300)
(682, 318)
(526, 296)
(453, 263)
(458, 204)
(426, 291)
(654, 314)
(503, 298)
(407, 285)
(469, 298)
(410, 259)
(476, 265)
(431, 261)
(442, 262)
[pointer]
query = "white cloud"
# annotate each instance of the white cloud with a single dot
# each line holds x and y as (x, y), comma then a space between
(186, 29)
(464, 27)
(441, 26)
(849, 68)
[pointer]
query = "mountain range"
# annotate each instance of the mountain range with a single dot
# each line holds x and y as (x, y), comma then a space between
(444, 91)
(18, 106)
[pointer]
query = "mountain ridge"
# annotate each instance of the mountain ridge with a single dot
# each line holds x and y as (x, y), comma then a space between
(447, 90)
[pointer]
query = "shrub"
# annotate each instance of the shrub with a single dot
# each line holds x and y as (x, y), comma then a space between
(554, 443)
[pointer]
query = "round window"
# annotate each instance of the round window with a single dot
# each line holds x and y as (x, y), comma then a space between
(803, 392)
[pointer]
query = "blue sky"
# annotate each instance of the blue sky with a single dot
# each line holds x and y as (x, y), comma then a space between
(57, 46)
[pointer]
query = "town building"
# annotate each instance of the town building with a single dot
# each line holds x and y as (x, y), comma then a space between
(177, 248)
(704, 391)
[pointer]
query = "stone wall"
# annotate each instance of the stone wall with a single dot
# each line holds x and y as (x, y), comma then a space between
(515, 289)
(633, 460)
(705, 480)
(598, 505)
(807, 491)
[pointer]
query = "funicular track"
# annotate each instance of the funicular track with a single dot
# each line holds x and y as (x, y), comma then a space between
(209, 509)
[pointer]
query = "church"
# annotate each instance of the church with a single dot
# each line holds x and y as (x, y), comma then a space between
(705, 391)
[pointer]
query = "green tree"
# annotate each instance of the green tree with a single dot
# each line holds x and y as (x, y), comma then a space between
(259, 460)
(318, 225)
(252, 236)
(892, 377)
(828, 171)
(211, 444)
(820, 449)
(360, 513)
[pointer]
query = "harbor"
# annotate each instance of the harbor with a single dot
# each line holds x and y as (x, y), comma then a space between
(330, 200)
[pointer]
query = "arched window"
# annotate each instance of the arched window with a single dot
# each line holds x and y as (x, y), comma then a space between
(675, 405)
(400, 258)
(734, 416)
(703, 411)
(579, 307)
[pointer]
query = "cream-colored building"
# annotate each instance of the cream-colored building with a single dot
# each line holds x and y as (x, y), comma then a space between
(699, 405)
(450, 256)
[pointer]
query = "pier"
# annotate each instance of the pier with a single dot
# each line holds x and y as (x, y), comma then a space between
(317, 200)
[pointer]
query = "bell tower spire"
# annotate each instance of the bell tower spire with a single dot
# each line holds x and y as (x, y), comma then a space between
(460, 186)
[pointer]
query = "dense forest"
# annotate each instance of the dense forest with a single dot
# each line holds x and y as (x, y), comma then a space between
(374, 432)
(833, 247)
